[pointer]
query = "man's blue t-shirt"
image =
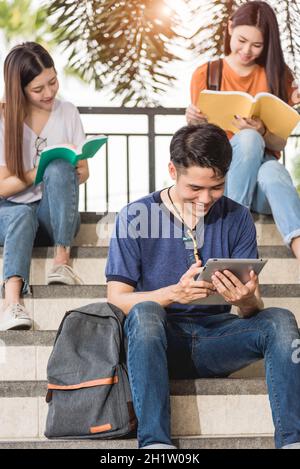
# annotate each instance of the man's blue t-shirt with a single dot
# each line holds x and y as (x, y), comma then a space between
(148, 248)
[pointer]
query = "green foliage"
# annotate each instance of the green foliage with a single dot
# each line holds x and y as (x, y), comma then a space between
(19, 20)
(123, 45)
(127, 46)
(211, 19)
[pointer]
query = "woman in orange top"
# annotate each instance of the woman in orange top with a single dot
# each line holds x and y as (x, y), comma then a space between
(254, 63)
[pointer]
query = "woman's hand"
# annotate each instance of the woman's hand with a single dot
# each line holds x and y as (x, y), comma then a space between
(246, 123)
(82, 171)
(188, 289)
(30, 176)
(82, 168)
(194, 116)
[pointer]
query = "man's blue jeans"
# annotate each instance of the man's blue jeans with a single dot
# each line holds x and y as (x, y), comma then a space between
(258, 181)
(55, 215)
(161, 345)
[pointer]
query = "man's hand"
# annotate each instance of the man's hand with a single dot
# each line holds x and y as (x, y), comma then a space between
(234, 291)
(255, 124)
(188, 289)
(194, 116)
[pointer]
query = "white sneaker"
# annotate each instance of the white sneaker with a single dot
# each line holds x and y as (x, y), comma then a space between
(15, 317)
(292, 446)
(63, 274)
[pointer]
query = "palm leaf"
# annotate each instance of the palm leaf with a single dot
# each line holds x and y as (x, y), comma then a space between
(124, 43)
(127, 45)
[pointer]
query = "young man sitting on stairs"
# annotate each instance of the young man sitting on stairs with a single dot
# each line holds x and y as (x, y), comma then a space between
(158, 247)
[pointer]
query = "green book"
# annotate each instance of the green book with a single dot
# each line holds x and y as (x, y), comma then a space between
(87, 150)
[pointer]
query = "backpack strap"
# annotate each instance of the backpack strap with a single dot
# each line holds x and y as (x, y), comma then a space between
(214, 74)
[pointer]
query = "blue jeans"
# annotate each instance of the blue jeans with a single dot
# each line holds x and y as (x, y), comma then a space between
(52, 220)
(162, 346)
(258, 181)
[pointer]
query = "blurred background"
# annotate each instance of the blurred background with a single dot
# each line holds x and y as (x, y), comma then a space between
(127, 65)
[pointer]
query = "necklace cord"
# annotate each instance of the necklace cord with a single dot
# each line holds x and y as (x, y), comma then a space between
(189, 231)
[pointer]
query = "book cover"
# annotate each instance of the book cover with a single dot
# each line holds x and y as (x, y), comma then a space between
(87, 150)
(221, 106)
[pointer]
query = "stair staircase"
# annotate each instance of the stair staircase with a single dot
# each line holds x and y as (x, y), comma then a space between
(214, 413)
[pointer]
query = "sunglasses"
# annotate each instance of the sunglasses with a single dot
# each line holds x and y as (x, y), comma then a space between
(39, 144)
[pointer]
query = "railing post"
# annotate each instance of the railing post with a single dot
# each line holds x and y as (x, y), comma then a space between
(85, 197)
(127, 168)
(283, 157)
(106, 179)
(151, 149)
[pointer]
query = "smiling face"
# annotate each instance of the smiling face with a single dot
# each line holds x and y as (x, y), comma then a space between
(198, 186)
(246, 44)
(41, 91)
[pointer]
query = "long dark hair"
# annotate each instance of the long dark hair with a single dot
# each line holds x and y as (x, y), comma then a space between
(262, 16)
(23, 63)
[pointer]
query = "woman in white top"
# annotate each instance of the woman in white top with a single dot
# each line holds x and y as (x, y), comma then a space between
(30, 119)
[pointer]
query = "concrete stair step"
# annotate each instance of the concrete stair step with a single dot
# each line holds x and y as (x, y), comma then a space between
(48, 304)
(89, 263)
(227, 407)
(180, 387)
(24, 356)
(96, 252)
(197, 442)
(96, 230)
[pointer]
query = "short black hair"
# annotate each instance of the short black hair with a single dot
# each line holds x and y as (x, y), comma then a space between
(204, 145)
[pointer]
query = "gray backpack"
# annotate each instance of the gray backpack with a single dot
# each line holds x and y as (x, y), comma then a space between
(88, 389)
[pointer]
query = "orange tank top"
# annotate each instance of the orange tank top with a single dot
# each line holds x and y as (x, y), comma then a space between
(255, 82)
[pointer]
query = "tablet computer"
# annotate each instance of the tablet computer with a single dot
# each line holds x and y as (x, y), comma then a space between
(241, 268)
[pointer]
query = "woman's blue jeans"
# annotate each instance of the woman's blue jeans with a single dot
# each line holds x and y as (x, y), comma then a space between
(54, 220)
(162, 346)
(258, 181)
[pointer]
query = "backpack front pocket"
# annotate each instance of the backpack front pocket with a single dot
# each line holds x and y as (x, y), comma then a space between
(83, 409)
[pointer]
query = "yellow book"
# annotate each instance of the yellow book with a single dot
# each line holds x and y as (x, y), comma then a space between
(221, 107)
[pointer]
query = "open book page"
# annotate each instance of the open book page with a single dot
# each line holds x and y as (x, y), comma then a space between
(279, 118)
(221, 106)
(91, 146)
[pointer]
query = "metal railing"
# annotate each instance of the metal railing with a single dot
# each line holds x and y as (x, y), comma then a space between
(151, 134)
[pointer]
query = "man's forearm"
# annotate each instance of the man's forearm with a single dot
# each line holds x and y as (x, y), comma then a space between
(126, 301)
